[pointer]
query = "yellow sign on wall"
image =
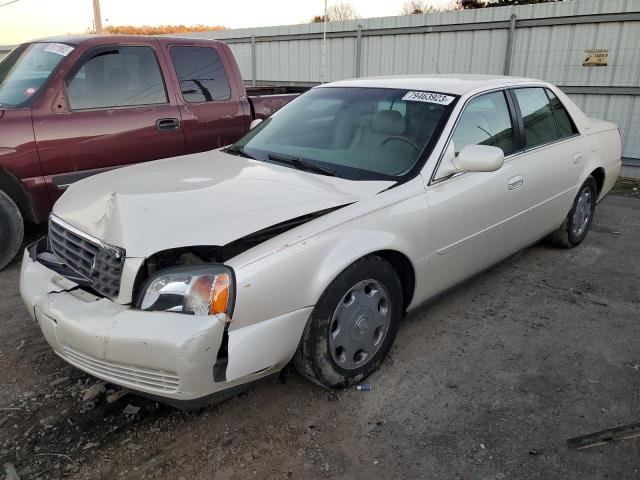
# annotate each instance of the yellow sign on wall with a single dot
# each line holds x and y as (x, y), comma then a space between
(596, 57)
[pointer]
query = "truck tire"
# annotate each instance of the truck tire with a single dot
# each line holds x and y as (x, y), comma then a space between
(11, 229)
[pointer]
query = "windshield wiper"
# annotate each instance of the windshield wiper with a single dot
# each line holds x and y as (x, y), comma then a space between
(238, 150)
(297, 162)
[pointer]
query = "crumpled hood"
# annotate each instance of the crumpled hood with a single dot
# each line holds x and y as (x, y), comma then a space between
(209, 198)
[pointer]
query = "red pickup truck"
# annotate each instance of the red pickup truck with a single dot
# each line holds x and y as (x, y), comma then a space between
(74, 106)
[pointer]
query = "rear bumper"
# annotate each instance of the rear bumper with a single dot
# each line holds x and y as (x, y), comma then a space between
(167, 356)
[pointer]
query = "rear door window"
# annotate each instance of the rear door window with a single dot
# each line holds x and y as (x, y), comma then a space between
(201, 74)
(539, 121)
(118, 77)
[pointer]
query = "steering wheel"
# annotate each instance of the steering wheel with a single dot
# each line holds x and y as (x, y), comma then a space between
(402, 138)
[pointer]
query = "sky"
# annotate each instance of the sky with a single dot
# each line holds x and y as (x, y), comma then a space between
(28, 19)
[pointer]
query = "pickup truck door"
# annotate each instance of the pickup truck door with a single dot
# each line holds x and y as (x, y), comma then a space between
(113, 110)
(475, 218)
(213, 103)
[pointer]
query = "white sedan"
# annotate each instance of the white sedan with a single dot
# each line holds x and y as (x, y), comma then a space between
(185, 279)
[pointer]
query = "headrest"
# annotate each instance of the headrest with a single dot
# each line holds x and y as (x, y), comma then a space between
(390, 122)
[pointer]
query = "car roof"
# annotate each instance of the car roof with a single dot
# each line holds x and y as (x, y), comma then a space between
(452, 84)
(104, 39)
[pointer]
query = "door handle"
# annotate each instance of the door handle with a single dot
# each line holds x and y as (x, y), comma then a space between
(577, 157)
(516, 182)
(167, 124)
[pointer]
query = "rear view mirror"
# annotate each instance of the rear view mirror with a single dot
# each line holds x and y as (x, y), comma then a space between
(479, 158)
(255, 123)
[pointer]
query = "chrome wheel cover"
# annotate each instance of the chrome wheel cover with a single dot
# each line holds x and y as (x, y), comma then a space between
(359, 324)
(581, 213)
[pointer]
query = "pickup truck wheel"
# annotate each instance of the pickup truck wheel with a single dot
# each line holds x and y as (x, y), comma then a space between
(11, 229)
(575, 227)
(353, 325)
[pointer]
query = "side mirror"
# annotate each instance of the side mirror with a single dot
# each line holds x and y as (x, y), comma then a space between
(255, 123)
(479, 158)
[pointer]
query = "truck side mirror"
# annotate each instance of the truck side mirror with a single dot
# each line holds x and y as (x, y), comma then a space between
(255, 123)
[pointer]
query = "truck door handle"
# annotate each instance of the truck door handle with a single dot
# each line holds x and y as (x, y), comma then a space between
(167, 124)
(516, 182)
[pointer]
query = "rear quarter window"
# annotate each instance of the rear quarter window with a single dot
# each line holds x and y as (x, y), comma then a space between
(566, 127)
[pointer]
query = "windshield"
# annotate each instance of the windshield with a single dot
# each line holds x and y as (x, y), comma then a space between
(355, 133)
(25, 70)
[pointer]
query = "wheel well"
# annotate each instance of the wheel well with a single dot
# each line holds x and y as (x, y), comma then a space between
(12, 186)
(404, 269)
(598, 174)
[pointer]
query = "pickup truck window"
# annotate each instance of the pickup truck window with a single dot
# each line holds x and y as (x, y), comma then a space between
(124, 76)
(201, 74)
(26, 69)
(354, 133)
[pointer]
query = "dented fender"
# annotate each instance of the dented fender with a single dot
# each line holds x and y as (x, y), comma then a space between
(308, 258)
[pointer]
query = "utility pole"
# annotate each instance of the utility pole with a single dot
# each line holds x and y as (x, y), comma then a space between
(324, 44)
(97, 18)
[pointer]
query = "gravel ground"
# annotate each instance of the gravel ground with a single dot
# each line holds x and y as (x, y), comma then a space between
(486, 382)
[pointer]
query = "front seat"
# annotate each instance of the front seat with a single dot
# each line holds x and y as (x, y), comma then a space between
(396, 155)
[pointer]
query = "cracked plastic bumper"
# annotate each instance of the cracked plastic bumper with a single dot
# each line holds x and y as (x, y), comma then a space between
(168, 356)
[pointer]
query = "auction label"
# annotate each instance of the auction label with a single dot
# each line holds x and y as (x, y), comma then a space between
(59, 49)
(428, 97)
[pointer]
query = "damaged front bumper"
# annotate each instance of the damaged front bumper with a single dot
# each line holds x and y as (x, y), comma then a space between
(183, 360)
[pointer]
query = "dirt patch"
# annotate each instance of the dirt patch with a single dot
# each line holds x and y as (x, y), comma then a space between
(627, 187)
(487, 382)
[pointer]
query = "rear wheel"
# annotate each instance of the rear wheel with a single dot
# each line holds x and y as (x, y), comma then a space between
(353, 325)
(575, 227)
(11, 229)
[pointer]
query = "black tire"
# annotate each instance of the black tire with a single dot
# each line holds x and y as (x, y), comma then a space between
(566, 236)
(313, 358)
(11, 229)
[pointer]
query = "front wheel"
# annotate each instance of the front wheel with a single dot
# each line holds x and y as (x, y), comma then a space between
(575, 227)
(353, 325)
(11, 229)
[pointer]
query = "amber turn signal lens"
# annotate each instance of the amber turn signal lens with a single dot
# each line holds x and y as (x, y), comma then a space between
(220, 294)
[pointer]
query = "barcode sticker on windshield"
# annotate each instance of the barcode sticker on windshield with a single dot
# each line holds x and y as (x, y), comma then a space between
(428, 97)
(59, 49)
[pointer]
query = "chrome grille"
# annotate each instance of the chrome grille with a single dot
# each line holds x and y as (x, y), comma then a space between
(100, 264)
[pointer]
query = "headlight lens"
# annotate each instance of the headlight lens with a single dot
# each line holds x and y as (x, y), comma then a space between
(194, 290)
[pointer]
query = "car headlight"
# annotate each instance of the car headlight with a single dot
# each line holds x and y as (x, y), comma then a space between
(207, 289)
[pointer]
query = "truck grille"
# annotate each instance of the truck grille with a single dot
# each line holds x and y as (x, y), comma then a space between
(100, 264)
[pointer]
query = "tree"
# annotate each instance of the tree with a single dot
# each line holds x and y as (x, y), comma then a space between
(159, 30)
(469, 4)
(337, 13)
(341, 11)
(413, 7)
(419, 7)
